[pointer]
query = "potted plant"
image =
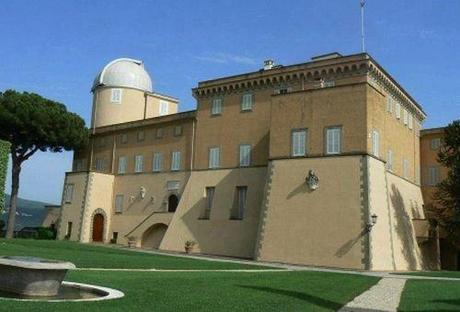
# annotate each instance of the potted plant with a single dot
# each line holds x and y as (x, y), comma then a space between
(131, 241)
(189, 246)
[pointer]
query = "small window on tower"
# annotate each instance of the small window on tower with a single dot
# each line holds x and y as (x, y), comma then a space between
(164, 108)
(116, 96)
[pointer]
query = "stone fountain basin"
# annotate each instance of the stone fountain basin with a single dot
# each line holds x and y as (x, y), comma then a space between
(30, 276)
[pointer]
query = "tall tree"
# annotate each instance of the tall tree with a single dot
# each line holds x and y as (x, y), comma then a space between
(32, 123)
(448, 191)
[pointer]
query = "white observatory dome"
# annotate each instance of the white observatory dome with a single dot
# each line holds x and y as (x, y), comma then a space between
(124, 72)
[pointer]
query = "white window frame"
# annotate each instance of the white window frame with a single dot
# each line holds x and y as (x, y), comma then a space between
(376, 143)
(139, 163)
(119, 201)
(216, 106)
(398, 110)
(122, 164)
(163, 108)
(406, 168)
(406, 116)
(100, 164)
(390, 160)
(333, 140)
(411, 121)
(433, 175)
(246, 102)
(175, 161)
(116, 96)
(389, 104)
(214, 157)
(245, 155)
(68, 193)
(299, 142)
(157, 162)
(435, 143)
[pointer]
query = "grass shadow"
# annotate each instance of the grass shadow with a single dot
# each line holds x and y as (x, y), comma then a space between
(320, 302)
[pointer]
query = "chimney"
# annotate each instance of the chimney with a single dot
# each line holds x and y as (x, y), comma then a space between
(268, 64)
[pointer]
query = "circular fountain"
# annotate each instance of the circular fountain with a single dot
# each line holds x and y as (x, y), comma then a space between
(36, 279)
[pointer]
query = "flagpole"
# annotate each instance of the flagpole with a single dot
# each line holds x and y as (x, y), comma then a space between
(363, 47)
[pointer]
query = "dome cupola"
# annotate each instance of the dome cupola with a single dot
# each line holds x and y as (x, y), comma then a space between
(124, 72)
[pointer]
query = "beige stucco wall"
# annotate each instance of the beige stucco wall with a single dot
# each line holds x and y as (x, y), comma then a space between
(406, 203)
(72, 212)
(140, 214)
(219, 235)
(98, 200)
(394, 135)
(315, 110)
(380, 236)
(135, 105)
(321, 227)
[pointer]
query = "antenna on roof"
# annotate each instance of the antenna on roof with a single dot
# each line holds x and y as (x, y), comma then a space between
(363, 47)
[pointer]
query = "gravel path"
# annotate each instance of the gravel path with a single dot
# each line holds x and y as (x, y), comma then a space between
(384, 296)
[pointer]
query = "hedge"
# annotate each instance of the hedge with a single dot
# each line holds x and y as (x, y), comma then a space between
(4, 154)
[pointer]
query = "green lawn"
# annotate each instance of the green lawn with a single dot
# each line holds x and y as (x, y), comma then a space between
(451, 274)
(214, 291)
(187, 291)
(91, 256)
(426, 295)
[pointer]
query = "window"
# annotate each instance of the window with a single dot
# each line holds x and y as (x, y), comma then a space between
(175, 161)
(69, 230)
(68, 193)
(119, 203)
(328, 83)
(159, 133)
(390, 160)
(214, 157)
(209, 200)
(240, 203)
(122, 163)
(333, 140)
(411, 121)
(389, 104)
(100, 164)
(157, 162)
(216, 106)
(398, 110)
(163, 108)
(177, 130)
(139, 163)
(173, 185)
(140, 136)
(245, 155)
(405, 168)
(298, 142)
(124, 138)
(283, 90)
(116, 96)
(435, 143)
(246, 102)
(376, 143)
(78, 165)
(433, 176)
(406, 117)
(114, 237)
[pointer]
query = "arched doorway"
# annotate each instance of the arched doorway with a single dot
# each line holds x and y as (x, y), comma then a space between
(173, 201)
(154, 235)
(98, 227)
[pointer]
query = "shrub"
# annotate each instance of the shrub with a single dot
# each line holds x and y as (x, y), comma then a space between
(45, 233)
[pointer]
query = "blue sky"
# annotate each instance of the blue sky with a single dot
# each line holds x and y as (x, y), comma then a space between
(55, 48)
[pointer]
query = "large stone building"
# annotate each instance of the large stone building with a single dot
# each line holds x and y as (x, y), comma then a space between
(315, 163)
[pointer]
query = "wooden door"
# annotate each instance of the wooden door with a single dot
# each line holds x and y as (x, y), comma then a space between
(98, 227)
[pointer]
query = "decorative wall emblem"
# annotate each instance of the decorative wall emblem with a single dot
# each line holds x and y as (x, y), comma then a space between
(312, 180)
